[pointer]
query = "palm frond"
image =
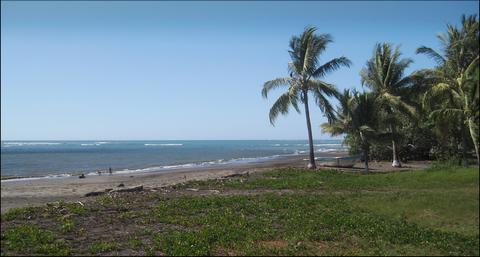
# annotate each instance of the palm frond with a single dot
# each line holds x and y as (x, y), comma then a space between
(281, 106)
(331, 66)
(431, 53)
(305, 51)
(324, 88)
(324, 105)
(446, 114)
(334, 128)
(387, 99)
(272, 84)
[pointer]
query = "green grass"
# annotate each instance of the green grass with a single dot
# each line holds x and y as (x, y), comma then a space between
(333, 180)
(19, 213)
(279, 212)
(102, 247)
(31, 239)
(238, 222)
(444, 210)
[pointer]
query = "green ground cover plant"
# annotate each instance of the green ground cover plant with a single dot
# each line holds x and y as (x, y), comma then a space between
(284, 211)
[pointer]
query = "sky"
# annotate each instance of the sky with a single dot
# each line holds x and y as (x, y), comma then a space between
(185, 70)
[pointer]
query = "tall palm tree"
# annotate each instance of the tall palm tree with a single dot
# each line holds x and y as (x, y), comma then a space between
(455, 93)
(384, 75)
(305, 73)
(358, 117)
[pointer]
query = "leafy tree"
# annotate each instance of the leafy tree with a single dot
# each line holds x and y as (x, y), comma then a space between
(305, 75)
(357, 117)
(384, 75)
(454, 96)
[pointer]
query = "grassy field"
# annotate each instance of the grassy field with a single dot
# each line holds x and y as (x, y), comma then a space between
(278, 212)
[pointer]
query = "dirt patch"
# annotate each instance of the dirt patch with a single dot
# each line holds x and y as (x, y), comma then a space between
(274, 243)
(117, 221)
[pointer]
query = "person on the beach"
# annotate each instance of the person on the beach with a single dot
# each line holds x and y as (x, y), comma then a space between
(99, 172)
(110, 170)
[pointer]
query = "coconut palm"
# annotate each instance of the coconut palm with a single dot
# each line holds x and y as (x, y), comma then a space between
(305, 74)
(357, 117)
(455, 93)
(384, 75)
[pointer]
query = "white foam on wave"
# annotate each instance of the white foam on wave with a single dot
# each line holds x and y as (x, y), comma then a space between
(145, 170)
(163, 144)
(299, 152)
(251, 159)
(327, 144)
(194, 165)
(94, 144)
(56, 176)
(6, 144)
(187, 165)
(22, 179)
(330, 150)
(321, 144)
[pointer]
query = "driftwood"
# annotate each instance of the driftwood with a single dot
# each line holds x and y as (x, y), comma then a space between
(241, 174)
(95, 193)
(129, 189)
(233, 175)
(110, 190)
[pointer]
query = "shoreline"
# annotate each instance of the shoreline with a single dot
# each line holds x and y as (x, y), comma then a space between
(35, 192)
(216, 164)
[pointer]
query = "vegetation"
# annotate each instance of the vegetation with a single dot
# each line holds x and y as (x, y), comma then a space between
(277, 212)
(454, 93)
(383, 74)
(298, 212)
(305, 73)
(430, 113)
(358, 117)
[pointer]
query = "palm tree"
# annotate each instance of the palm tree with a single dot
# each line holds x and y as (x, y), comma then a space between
(305, 73)
(384, 75)
(357, 117)
(455, 93)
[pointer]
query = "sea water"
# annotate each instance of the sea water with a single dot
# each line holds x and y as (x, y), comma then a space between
(66, 158)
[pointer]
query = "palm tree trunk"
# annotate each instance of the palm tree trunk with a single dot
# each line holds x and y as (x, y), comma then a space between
(396, 161)
(311, 165)
(464, 145)
(474, 134)
(365, 155)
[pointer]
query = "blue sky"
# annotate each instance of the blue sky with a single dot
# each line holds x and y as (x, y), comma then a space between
(185, 70)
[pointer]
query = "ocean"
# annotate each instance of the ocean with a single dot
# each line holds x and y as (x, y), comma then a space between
(67, 158)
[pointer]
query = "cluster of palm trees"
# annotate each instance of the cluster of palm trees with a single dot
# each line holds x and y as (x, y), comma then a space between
(446, 96)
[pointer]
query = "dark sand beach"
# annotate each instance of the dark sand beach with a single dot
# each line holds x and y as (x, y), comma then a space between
(21, 193)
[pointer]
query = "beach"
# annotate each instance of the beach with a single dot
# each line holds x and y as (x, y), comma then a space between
(21, 193)
(240, 129)
(36, 172)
